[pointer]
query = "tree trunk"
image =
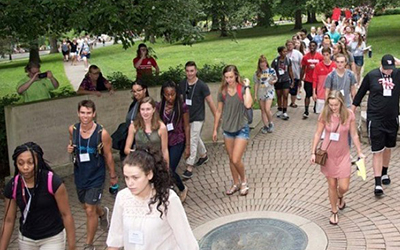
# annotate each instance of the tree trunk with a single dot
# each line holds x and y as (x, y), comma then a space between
(34, 53)
(265, 19)
(214, 23)
(297, 20)
(224, 31)
(53, 45)
(311, 16)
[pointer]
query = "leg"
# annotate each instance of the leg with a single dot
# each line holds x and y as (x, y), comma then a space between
(333, 199)
(175, 154)
(263, 112)
(194, 142)
(285, 98)
(268, 112)
(229, 146)
(236, 157)
(92, 221)
(279, 94)
(377, 160)
(342, 189)
(386, 157)
(24, 243)
(54, 242)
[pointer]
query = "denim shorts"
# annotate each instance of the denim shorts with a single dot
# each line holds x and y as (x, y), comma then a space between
(243, 133)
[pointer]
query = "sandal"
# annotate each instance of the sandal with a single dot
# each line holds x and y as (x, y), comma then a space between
(335, 218)
(293, 105)
(232, 190)
(244, 189)
(340, 202)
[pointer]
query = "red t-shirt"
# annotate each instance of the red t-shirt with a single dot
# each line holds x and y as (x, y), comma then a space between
(336, 14)
(310, 61)
(347, 13)
(145, 68)
(321, 71)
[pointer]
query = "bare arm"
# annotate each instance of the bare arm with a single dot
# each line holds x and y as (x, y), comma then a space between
(355, 138)
(70, 147)
(317, 137)
(137, 64)
(9, 222)
(157, 70)
(53, 79)
(217, 118)
(107, 142)
(353, 91)
(82, 91)
(247, 98)
(61, 197)
(27, 84)
(129, 139)
(211, 104)
(164, 142)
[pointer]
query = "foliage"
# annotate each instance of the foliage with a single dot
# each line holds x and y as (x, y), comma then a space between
(395, 11)
(119, 80)
(211, 73)
(4, 161)
(63, 91)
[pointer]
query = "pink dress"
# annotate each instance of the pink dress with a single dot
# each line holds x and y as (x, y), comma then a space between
(338, 164)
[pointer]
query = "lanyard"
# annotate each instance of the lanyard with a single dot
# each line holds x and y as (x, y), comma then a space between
(166, 116)
(187, 86)
(344, 80)
(87, 146)
(27, 204)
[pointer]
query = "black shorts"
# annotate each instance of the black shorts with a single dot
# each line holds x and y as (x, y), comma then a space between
(282, 85)
(91, 196)
(308, 89)
(295, 89)
(65, 53)
(382, 134)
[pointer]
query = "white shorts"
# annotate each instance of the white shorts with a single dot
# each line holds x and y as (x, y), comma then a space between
(319, 106)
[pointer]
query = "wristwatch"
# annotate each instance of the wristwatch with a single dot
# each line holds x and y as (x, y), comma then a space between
(248, 86)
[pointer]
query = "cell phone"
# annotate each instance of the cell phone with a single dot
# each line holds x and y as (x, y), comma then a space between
(42, 75)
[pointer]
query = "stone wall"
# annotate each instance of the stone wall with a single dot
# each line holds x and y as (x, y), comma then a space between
(47, 122)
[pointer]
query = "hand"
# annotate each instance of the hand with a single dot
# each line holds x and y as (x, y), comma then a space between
(187, 152)
(215, 136)
(312, 159)
(36, 76)
(314, 97)
(70, 148)
(113, 181)
(98, 93)
(361, 155)
(49, 74)
(246, 81)
(111, 91)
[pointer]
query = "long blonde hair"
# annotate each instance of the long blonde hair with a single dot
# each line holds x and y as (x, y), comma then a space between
(261, 60)
(224, 84)
(155, 119)
(326, 114)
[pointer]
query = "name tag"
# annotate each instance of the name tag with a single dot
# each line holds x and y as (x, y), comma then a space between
(136, 237)
(342, 91)
(84, 157)
(281, 72)
(323, 135)
(170, 126)
(334, 137)
(188, 102)
(387, 92)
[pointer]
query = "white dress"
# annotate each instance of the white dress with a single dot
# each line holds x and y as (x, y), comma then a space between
(135, 228)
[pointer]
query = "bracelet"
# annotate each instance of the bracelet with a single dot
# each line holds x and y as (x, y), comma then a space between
(248, 86)
(113, 177)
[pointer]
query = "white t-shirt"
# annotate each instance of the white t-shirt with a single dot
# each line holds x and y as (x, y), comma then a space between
(296, 57)
(134, 227)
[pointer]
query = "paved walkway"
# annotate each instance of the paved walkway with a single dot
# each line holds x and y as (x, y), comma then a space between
(282, 180)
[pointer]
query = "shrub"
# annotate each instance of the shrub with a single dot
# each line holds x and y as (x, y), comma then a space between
(120, 81)
(63, 91)
(394, 11)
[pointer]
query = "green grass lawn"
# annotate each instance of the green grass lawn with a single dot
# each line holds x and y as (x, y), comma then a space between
(12, 72)
(383, 35)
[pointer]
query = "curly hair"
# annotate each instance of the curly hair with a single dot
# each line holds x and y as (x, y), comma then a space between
(149, 159)
(177, 109)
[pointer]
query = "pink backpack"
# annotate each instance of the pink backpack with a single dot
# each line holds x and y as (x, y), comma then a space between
(49, 184)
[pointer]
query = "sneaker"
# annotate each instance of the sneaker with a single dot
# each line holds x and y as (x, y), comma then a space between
(298, 97)
(201, 161)
(88, 247)
(183, 194)
(385, 179)
(305, 115)
(279, 113)
(285, 116)
(378, 191)
(264, 130)
(187, 174)
(270, 128)
(105, 219)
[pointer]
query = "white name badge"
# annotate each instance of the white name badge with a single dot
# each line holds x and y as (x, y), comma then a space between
(170, 126)
(84, 157)
(188, 102)
(387, 92)
(323, 135)
(334, 137)
(342, 91)
(281, 72)
(136, 237)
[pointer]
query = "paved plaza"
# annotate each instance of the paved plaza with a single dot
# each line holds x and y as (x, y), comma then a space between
(284, 183)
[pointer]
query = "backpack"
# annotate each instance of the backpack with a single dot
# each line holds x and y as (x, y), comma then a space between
(49, 184)
(75, 139)
(240, 92)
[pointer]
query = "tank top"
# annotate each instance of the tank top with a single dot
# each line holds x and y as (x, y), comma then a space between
(143, 139)
(92, 173)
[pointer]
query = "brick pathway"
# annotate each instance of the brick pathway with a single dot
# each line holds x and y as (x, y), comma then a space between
(281, 179)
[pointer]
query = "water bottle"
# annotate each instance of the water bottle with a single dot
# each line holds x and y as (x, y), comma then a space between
(369, 53)
(114, 189)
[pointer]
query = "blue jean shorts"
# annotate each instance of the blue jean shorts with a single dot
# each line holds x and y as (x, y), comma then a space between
(243, 133)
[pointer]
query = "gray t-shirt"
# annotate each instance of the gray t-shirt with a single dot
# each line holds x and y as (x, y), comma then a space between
(335, 82)
(197, 94)
(282, 68)
(296, 57)
(233, 114)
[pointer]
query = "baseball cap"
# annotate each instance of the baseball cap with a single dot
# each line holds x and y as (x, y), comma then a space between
(388, 62)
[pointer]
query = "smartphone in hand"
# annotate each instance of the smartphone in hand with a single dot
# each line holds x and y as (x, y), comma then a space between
(42, 75)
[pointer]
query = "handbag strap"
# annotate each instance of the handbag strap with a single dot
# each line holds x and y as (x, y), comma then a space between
(329, 143)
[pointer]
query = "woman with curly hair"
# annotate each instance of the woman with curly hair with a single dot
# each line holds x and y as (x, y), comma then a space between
(43, 201)
(147, 213)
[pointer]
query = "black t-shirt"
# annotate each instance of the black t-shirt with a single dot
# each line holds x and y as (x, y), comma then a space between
(44, 219)
(201, 91)
(380, 107)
